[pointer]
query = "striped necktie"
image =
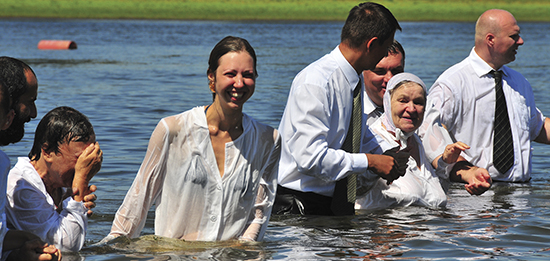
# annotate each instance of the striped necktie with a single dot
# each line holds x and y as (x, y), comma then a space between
(503, 146)
(343, 199)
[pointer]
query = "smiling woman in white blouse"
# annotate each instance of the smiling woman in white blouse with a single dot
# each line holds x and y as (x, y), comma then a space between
(210, 171)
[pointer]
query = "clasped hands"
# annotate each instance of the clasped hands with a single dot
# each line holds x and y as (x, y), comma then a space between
(391, 165)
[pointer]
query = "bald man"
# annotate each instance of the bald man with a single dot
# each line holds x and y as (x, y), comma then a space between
(464, 100)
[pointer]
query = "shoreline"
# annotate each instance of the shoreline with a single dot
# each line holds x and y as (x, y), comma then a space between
(267, 10)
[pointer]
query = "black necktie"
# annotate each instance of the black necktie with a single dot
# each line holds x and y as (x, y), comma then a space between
(343, 199)
(379, 110)
(503, 146)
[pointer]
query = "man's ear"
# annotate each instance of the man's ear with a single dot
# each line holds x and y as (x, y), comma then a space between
(490, 39)
(371, 43)
(47, 156)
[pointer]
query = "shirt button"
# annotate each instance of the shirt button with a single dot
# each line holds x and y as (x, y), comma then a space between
(213, 218)
(218, 187)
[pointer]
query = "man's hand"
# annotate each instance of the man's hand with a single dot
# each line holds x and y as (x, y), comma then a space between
(89, 199)
(477, 179)
(35, 250)
(87, 165)
(391, 165)
(452, 152)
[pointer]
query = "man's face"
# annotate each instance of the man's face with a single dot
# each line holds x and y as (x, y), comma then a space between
(62, 167)
(25, 110)
(507, 41)
(376, 79)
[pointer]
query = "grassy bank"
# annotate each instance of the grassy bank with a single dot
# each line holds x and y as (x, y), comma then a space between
(335, 10)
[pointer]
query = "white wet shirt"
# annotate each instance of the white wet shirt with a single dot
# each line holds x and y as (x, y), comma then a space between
(32, 209)
(193, 201)
(420, 185)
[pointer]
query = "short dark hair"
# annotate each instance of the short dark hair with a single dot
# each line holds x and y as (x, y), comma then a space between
(5, 97)
(226, 45)
(60, 125)
(368, 20)
(396, 48)
(12, 73)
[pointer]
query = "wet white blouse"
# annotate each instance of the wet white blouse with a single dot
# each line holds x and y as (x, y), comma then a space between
(193, 201)
(419, 186)
(32, 209)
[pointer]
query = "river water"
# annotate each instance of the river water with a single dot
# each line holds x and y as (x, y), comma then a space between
(127, 75)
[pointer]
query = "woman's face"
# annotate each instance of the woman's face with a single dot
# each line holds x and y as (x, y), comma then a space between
(234, 80)
(407, 106)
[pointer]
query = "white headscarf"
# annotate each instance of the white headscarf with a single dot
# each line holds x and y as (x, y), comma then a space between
(387, 120)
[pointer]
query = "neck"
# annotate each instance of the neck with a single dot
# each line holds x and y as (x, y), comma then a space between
(224, 120)
(486, 56)
(41, 167)
(352, 56)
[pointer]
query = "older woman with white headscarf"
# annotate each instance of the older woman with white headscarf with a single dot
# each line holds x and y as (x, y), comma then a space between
(422, 184)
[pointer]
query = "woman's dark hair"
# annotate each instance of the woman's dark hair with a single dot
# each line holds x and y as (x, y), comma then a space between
(60, 125)
(226, 45)
(368, 20)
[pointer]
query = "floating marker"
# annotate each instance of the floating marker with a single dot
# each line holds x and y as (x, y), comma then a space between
(56, 45)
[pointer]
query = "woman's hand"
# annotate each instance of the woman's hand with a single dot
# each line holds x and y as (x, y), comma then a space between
(452, 152)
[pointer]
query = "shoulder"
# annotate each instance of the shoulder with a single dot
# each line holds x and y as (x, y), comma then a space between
(185, 120)
(455, 74)
(262, 131)
(320, 72)
(514, 75)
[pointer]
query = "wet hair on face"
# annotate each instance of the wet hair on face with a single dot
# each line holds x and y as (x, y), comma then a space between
(60, 125)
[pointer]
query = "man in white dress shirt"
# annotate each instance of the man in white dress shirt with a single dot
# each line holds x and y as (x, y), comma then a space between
(377, 78)
(463, 100)
(47, 192)
(317, 118)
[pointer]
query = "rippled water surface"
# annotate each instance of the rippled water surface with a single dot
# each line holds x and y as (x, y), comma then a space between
(127, 75)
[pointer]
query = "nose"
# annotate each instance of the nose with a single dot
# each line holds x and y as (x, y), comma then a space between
(387, 77)
(410, 107)
(520, 41)
(238, 81)
(33, 112)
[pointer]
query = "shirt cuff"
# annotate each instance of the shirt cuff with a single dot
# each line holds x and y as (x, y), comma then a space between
(75, 207)
(444, 168)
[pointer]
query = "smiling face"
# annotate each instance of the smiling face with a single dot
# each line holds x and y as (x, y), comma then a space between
(234, 80)
(377, 79)
(407, 106)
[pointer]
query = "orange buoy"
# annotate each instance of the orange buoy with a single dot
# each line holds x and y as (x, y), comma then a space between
(56, 44)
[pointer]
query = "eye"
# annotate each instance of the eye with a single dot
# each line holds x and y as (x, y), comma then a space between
(248, 74)
(397, 70)
(515, 37)
(379, 71)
